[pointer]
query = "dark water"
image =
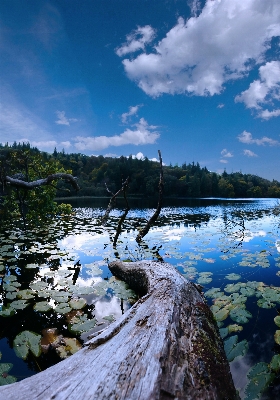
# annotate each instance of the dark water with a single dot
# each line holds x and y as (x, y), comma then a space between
(56, 279)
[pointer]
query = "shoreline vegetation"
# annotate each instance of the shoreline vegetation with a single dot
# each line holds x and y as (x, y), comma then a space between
(96, 174)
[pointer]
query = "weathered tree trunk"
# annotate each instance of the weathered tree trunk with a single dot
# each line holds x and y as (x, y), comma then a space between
(166, 346)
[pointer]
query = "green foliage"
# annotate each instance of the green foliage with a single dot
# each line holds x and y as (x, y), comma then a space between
(27, 341)
(29, 206)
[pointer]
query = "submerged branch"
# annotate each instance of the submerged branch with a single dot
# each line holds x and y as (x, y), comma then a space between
(113, 199)
(143, 232)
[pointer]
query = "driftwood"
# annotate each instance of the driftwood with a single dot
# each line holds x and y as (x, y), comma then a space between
(166, 346)
(42, 182)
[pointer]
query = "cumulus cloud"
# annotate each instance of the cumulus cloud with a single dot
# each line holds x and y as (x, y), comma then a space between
(224, 161)
(220, 105)
(249, 153)
(247, 137)
(136, 40)
(63, 120)
(195, 6)
(132, 111)
(142, 134)
(199, 55)
(226, 153)
(263, 91)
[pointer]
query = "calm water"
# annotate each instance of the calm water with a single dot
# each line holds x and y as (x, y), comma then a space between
(57, 289)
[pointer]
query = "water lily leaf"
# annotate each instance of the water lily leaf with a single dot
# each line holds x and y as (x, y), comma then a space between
(77, 304)
(235, 328)
(109, 318)
(25, 294)
(223, 332)
(240, 315)
(11, 295)
(204, 280)
(234, 349)
(42, 306)
(213, 293)
(27, 341)
(2, 267)
(233, 277)
(31, 266)
(259, 378)
(263, 303)
(19, 304)
(233, 287)
(62, 308)
(247, 291)
(70, 346)
(83, 326)
(277, 336)
(5, 378)
(221, 314)
(277, 320)
(40, 285)
(7, 311)
(275, 363)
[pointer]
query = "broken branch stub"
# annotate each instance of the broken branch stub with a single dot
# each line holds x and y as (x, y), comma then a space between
(166, 346)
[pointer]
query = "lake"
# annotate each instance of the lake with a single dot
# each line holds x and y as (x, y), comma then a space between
(56, 288)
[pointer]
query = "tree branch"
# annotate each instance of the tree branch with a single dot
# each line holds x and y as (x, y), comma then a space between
(42, 182)
(143, 232)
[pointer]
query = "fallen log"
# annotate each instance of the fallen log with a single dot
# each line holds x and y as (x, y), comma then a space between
(166, 346)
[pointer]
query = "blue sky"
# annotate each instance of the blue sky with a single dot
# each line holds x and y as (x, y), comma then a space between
(199, 80)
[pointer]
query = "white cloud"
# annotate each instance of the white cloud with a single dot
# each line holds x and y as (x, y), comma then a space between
(63, 120)
(247, 137)
(265, 90)
(220, 105)
(224, 161)
(199, 55)
(136, 40)
(195, 6)
(132, 111)
(46, 145)
(226, 153)
(249, 153)
(143, 134)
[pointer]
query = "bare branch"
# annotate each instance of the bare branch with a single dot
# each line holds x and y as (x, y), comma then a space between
(143, 232)
(42, 182)
(112, 200)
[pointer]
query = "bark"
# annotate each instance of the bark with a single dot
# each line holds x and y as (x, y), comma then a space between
(42, 182)
(166, 346)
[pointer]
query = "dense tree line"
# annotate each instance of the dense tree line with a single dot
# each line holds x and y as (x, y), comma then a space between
(188, 180)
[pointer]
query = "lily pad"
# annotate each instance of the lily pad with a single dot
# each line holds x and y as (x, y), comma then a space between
(63, 308)
(233, 277)
(275, 363)
(27, 341)
(234, 349)
(70, 346)
(277, 320)
(77, 304)
(259, 377)
(277, 336)
(42, 306)
(240, 315)
(264, 303)
(5, 378)
(83, 326)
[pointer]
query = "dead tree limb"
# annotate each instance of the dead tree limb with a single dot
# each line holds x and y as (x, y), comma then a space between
(112, 200)
(143, 232)
(167, 346)
(121, 220)
(42, 182)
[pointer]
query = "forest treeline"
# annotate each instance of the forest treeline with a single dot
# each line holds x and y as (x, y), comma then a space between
(187, 180)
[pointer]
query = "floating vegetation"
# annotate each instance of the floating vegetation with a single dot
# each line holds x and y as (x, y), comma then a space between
(57, 276)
